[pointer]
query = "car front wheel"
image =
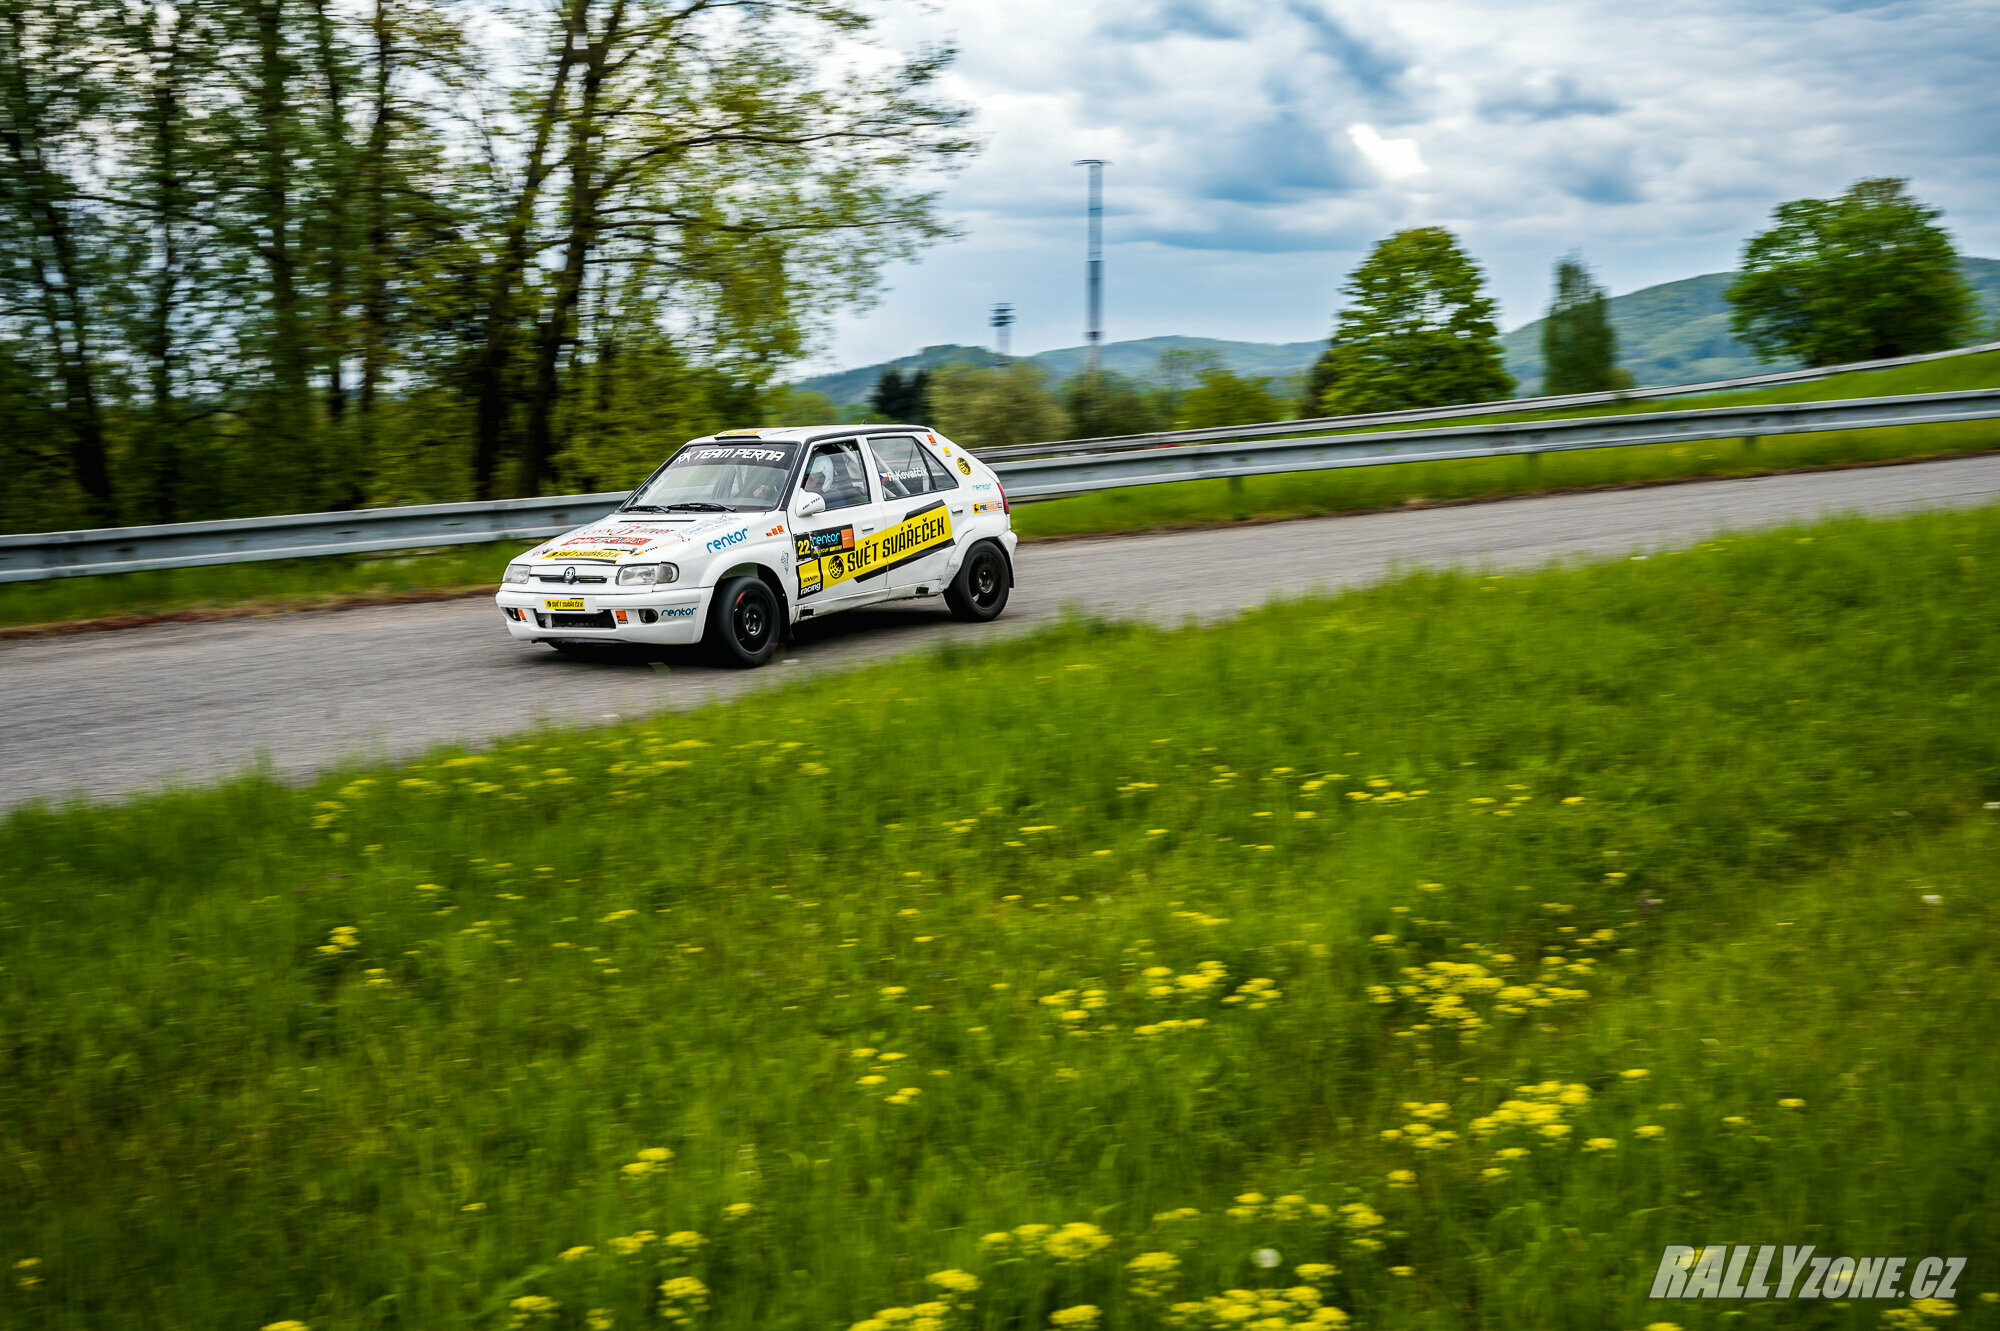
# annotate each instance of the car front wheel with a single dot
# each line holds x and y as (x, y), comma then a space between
(743, 622)
(979, 592)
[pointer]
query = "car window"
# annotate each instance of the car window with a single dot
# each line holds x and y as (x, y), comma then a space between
(941, 477)
(835, 473)
(900, 463)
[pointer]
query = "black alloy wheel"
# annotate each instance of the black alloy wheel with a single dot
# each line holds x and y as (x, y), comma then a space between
(979, 592)
(743, 622)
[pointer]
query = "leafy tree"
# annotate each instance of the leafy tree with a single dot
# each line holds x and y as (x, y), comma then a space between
(1319, 382)
(990, 408)
(1107, 403)
(1220, 397)
(1579, 345)
(52, 260)
(1417, 332)
(1862, 277)
(902, 401)
(268, 255)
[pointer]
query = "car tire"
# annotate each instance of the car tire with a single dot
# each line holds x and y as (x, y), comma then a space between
(979, 592)
(743, 623)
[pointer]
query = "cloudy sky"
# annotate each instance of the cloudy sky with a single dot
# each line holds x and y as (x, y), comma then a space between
(1258, 147)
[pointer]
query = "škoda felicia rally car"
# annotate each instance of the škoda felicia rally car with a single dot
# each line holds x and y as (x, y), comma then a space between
(742, 535)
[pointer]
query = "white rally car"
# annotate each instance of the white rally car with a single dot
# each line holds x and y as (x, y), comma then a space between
(741, 535)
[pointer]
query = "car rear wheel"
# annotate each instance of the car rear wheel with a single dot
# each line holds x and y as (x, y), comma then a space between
(979, 592)
(743, 622)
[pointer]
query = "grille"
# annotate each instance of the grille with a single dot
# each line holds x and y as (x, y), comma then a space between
(557, 577)
(573, 620)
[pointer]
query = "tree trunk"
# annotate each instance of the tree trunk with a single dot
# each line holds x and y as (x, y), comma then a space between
(558, 328)
(340, 187)
(55, 266)
(288, 422)
(168, 206)
(375, 249)
(504, 278)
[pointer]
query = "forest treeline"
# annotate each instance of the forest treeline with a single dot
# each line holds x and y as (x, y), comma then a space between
(280, 255)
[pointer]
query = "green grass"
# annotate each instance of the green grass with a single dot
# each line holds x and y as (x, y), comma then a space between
(308, 582)
(1688, 809)
(278, 584)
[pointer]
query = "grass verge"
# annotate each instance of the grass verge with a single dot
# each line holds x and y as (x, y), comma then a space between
(268, 587)
(1460, 941)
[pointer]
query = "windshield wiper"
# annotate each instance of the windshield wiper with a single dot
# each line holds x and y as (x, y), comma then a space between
(699, 506)
(642, 508)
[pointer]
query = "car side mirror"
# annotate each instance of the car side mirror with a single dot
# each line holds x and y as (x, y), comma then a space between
(808, 504)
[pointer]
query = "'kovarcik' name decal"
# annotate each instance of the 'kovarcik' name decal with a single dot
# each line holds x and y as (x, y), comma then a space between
(828, 558)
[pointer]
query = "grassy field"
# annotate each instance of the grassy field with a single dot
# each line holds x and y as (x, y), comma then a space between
(1454, 945)
(313, 582)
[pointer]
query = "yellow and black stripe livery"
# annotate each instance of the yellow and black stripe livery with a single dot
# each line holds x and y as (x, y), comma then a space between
(829, 558)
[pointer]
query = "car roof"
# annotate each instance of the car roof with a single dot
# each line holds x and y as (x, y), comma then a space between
(806, 434)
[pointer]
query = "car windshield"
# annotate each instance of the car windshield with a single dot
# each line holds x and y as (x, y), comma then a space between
(737, 478)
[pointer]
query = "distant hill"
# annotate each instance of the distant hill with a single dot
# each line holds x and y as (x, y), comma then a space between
(1674, 333)
(1137, 359)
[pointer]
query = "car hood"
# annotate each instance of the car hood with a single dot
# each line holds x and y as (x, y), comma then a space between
(639, 536)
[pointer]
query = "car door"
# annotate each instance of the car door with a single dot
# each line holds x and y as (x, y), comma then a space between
(830, 547)
(926, 512)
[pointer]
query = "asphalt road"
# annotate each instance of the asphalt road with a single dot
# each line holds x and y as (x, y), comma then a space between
(105, 714)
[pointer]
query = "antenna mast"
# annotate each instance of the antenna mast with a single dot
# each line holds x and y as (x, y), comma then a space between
(1094, 266)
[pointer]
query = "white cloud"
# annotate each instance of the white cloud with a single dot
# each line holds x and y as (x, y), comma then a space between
(1394, 159)
(1259, 147)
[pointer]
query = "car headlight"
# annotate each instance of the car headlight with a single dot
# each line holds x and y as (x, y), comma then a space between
(648, 575)
(516, 573)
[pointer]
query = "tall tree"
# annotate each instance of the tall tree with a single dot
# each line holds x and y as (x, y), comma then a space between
(1579, 345)
(1319, 381)
(160, 195)
(1418, 330)
(52, 87)
(1221, 397)
(704, 142)
(988, 407)
(1862, 277)
(1103, 402)
(900, 400)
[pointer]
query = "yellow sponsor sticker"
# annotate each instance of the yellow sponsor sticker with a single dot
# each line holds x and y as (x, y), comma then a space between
(562, 603)
(587, 554)
(915, 535)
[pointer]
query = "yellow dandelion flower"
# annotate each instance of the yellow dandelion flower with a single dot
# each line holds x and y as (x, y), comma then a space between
(954, 1280)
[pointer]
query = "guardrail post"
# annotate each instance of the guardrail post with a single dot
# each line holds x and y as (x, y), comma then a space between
(1749, 443)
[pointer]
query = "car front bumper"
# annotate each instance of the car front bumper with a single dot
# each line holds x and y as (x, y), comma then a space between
(664, 616)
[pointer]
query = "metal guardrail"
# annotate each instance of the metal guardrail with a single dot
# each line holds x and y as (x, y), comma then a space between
(1030, 472)
(31, 556)
(1071, 474)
